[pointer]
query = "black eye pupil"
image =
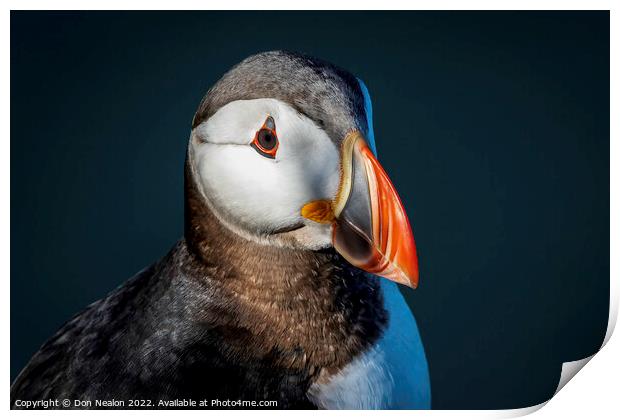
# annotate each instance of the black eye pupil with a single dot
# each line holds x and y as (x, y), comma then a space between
(266, 139)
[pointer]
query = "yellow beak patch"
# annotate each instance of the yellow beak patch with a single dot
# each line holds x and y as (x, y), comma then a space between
(319, 211)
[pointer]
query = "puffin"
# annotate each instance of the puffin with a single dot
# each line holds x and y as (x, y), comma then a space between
(284, 287)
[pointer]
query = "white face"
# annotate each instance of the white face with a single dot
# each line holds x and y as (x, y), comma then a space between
(256, 195)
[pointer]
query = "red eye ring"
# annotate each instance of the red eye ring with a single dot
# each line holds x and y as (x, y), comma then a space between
(266, 139)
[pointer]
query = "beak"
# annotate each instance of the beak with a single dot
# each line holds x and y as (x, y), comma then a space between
(370, 227)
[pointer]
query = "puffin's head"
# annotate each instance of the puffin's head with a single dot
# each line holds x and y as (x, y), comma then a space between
(280, 151)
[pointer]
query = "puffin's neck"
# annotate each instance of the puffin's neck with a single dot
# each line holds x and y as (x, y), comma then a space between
(241, 262)
(312, 306)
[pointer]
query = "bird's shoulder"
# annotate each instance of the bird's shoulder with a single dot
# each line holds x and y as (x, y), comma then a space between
(80, 347)
(144, 340)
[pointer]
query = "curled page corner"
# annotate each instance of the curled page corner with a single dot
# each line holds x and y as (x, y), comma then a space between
(570, 369)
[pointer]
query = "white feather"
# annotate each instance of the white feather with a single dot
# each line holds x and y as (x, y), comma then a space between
(392, 374)
(255, 193)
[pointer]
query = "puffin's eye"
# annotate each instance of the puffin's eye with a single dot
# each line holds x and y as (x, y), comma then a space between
(266, 140)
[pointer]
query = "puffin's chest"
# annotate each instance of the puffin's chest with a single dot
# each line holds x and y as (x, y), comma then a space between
(391, 374)
(365, 383)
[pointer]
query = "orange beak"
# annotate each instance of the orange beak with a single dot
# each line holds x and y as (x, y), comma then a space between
(370, 227)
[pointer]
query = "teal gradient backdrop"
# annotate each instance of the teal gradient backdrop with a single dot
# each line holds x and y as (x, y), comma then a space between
(494, 128)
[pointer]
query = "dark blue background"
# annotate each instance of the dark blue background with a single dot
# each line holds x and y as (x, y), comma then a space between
(493, 126)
